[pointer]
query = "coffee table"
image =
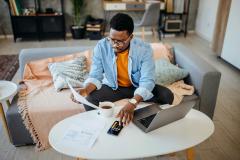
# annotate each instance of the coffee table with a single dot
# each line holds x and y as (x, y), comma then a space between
(7, 90)
(132, 142)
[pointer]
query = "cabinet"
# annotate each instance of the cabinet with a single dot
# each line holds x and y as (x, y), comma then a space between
(31, 20)
(174, 17)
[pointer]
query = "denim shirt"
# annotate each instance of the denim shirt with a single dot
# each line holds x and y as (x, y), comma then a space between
(141, 67)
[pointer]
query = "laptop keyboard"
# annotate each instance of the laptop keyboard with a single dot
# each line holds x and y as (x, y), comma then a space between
(147, 120)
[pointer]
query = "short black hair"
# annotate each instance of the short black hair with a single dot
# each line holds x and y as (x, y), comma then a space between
(122, 22)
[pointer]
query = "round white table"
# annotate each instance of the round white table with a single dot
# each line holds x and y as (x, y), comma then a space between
(132, 142)
(7, 90)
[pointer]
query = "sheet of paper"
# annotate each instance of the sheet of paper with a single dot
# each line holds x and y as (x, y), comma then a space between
(80, 98)
(83, 134)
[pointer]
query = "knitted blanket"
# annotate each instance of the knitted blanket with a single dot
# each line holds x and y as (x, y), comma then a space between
(41, 107)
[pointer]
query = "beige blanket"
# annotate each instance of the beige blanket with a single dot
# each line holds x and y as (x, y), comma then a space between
(42, 108)
(180, 89)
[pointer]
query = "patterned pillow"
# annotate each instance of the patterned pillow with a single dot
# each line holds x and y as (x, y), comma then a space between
(72, 71)
(167, 73)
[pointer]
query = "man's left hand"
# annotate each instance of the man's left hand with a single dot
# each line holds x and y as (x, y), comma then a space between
(126, 113)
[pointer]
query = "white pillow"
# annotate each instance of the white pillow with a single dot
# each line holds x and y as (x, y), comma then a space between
(72, 71)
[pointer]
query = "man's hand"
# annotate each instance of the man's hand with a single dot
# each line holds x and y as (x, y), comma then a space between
(82, 92)
(126, 113)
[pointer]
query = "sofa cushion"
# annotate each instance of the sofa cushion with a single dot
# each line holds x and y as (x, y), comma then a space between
(164, 51)
(18, 132)
(167, 73)
(37, 70)
(72, 71)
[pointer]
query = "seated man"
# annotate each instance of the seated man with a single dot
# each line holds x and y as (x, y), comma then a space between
(123, 67)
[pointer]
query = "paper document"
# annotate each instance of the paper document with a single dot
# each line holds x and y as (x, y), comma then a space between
(82, 136)
(80, 98)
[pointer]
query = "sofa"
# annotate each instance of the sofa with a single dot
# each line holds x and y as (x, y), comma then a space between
(203, 76)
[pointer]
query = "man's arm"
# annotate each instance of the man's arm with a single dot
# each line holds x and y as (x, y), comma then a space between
(144, 91)
(84, 91)
(138, 98)
(126, 113)
(93, 82)
(96, 71)
(147, 79)
(89, 88)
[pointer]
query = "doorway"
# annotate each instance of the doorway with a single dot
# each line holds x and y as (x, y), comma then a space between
(221, 25)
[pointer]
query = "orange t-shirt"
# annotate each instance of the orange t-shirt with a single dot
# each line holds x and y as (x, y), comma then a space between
(122, 69)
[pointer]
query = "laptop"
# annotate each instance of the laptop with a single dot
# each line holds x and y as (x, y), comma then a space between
(154, 116)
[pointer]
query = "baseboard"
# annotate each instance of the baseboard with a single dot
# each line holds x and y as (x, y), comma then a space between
(68, 34)
(191, 31)
(203, 36)
(8, 36)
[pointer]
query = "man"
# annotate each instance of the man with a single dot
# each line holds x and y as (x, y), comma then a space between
(123, 67)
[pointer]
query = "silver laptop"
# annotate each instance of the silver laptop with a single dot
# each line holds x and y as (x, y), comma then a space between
(153, 116)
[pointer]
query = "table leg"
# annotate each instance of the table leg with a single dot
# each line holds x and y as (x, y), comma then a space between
(4, 121)
(190, 153)
(154, 34)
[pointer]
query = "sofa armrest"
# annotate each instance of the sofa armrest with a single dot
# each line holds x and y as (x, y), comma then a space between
(27, 55)
(203, 76)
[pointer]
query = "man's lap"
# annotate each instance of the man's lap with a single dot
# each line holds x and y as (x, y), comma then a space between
(162, 95)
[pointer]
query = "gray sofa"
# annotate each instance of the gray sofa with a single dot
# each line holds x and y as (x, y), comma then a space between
(203, 76)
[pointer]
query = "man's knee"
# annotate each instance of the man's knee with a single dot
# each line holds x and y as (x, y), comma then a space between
(167, 96)
(91, 99)
(164, 95)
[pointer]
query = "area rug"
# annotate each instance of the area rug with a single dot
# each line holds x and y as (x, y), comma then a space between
(8, 66)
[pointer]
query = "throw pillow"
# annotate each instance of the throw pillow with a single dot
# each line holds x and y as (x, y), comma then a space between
(167, 73)
(72, 71)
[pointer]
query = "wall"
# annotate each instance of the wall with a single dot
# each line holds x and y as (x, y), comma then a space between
(193, 9)
(206, 18)
(5, 23)
(93, 7)
(231, 49)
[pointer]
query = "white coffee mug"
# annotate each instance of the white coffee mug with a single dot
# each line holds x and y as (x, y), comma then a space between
(106, 109)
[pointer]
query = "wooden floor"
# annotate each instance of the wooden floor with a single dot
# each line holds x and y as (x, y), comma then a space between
(224, 144)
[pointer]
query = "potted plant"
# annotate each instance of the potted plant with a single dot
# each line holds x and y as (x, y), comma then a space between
(77, 29)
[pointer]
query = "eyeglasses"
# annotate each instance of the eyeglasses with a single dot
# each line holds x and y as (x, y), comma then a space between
(118, 43)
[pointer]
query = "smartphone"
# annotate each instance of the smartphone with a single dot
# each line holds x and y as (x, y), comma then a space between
(115, 129)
